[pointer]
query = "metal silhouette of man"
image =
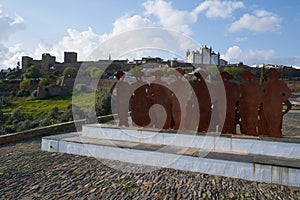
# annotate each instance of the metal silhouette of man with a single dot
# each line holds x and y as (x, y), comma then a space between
(140, 103)
(249, 103)
(123, 93)
(276, 92)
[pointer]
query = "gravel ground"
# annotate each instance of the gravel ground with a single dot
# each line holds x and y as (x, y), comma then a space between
(28, 173)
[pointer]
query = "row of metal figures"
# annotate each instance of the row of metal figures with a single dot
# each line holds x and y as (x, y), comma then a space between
(203, 106)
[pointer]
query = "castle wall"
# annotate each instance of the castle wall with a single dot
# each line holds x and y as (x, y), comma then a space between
(70, 57)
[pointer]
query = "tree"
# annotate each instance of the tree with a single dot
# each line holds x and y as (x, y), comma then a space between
(70, 72)
(25, 84)
(55, 74)
(52, 117)
(25, 125)
(33, 73)
(43, 82)
(263, 77)
(212, 70)
(135, 68)
(103, 104)
(54, 113)
(82, 88)
(17, 116)
(96, 72)
(2, 117)
(73, 112)
(166, 70)
(234, 71)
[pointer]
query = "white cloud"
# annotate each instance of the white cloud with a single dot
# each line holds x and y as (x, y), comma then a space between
(236, 54)
(260, 21)
(233, 54)
(294, 61)
(18, 21)
(138, 42)
(9, 56)
(13, 55)
(169, 17)
(157, 13)
(241, 39)
(180, 20)
(217, 8)
(130, 33)
(147, 39)
(9, 25)
(82, 42)
(128, 23)
(261, 54)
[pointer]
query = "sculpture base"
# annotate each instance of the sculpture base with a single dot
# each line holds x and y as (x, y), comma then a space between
(231, 156)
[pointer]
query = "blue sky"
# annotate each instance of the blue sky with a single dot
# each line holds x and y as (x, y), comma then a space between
(252, 31)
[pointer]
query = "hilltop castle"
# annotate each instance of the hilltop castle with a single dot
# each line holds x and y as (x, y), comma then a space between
(205, 56)
(48, 63)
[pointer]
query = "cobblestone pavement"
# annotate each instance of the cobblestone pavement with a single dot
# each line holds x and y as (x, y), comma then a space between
(28, 173)
(291, 123)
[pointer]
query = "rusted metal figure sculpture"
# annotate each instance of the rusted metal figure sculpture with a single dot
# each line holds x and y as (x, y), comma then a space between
(276, 92)
(215, 88)
(259, 107)
(232, 98)
(123, 93)
(140, 104)
(249, 103)
(160, 94)
(204, 101)
(180, 92)
(192, 110)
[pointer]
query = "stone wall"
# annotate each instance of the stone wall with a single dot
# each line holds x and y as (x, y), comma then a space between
(46, 92)
(48, 130)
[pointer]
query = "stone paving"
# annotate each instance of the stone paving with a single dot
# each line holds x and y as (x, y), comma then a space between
(291, 123)
(28, 173)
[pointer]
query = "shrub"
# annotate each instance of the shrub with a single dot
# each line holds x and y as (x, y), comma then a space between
(25, 125)
(70, 72)
(33, 73)
(17, 116)
(103, 104)
(34, 93)
(234, 71)
(23, 93)
(45, 122)
(43, 82)
(96, 72)
(2, 118)
(212, 70)
(55, 74)
(25, 84)
(7, 129)
(82, 88)
(52, 117)
(54, 113)
(5, 101)
(72, 113)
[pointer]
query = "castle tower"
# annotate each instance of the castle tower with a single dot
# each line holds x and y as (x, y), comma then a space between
(187, 54)
(26, 62)
(210, 55)
(70, 57)
(47, 61)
